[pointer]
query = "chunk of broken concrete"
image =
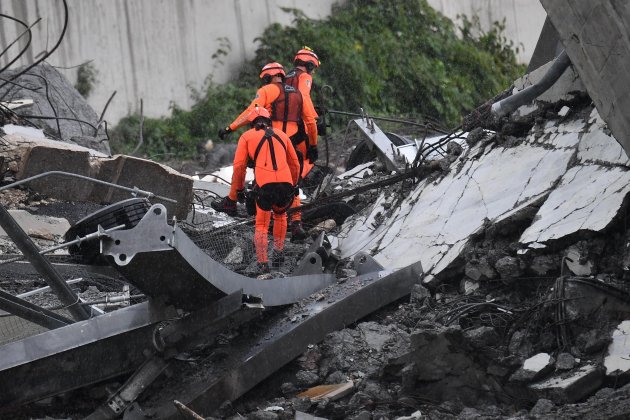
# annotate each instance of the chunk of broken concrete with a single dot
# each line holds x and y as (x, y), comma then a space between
(35, 156)
(617, 361)
(541, 265)
(480, 269)
(591, 341)
(235, 256)
(578, 263)
(468, 286)
(565, 361)
(480, 337)
(509, 268)
(571, 386)
(419, 293)
(542, 406)
(306, 378)
(534, 368)
(53, 94)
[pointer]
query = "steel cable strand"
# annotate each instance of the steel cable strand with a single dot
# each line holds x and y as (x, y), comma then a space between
(46, 87)
(18, 117)
(35, 63)
(100, 119)
(70, 108)
(28, 43)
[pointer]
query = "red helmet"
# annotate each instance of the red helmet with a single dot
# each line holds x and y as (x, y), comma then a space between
(307, 55)
(258, 112)
(272, 69)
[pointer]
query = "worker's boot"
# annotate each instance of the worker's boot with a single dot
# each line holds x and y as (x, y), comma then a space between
(224, 205)
(277, 260)
(297, 231)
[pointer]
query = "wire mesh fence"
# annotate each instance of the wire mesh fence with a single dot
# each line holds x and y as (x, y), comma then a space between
(30, 287)
(232, 244)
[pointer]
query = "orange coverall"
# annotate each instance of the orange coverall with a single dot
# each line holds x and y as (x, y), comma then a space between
(276, 170)
(265, 97)
(303, 82)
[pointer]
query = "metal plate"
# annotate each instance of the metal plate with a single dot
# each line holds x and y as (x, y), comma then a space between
(178, 272)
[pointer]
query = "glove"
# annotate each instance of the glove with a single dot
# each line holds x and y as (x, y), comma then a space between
(311, 154)
(240, 195)
(224, 132)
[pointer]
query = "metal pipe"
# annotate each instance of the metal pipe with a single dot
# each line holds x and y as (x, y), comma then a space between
(45, 289)
(65, 294)
(134, 191)
(511, 103)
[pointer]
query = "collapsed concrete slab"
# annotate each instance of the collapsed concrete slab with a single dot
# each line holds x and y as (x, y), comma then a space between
(570, 387)
(596, 36)
(590, 193)
(570, 165)
(436, 221)
(534, 368)
(617, 361)
(28, 157)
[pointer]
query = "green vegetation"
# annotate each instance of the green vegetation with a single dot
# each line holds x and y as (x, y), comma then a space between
(86, 78)
(389, 57)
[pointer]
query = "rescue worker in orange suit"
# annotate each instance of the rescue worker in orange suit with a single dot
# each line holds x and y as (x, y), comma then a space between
(276, 173)
(305, 140)
(288, 113)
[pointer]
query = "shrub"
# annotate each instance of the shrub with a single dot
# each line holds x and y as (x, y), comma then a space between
(395, 57)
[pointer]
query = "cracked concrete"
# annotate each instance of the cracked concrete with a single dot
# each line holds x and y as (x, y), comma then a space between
(573, 165)
(435, 222)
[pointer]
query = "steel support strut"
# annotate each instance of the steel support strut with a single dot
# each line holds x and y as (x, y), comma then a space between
(43, 266)
(33, 313)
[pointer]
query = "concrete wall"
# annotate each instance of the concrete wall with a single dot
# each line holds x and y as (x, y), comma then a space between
(150, 49)
(157, 49)
(524, 19)
(596, 35)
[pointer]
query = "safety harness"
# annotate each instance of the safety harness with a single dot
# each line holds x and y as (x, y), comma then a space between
(267, 137)
(259, 194)
(292, 79)
(287, 106)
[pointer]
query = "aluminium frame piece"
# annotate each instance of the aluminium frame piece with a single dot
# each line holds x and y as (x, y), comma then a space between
(379, 139)
(164, 263)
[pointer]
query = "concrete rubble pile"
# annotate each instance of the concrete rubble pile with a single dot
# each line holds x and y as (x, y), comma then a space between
(523, 240)
(520, 313)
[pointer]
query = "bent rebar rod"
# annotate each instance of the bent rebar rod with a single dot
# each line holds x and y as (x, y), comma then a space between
(134, 191)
